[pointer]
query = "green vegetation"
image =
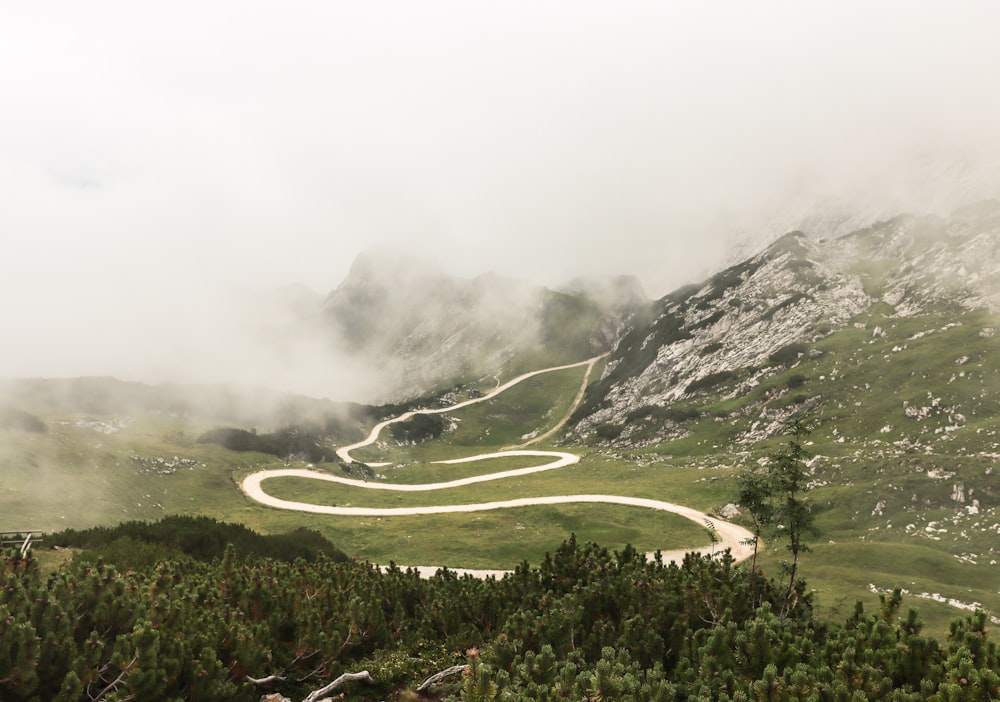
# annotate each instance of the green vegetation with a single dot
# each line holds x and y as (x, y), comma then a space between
(787, 355)
(582, 624)
(419, 427)
(712, 380)
(903, 455)
(773, 496)
(512, 535)
(890, 493)
(898, 478)
(135, 544)
(100, 470)
(501, 421)
(291, 441)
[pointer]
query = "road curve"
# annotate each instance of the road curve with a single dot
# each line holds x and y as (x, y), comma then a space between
(344, 452)
(251, 484)
(730, 536)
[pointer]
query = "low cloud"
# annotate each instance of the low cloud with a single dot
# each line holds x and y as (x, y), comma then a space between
(161, 167)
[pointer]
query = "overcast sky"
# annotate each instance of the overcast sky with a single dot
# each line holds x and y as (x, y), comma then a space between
(155, 156)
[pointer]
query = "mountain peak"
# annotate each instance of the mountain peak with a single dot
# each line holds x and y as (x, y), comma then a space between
(388, 268)
(792, 294)
(422, 327)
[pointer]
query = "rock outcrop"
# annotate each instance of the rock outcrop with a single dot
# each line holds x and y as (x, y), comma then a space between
(758, 316)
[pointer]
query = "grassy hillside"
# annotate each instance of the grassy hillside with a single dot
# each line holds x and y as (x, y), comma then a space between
(100, 469)
(903, 481)
(903, 474)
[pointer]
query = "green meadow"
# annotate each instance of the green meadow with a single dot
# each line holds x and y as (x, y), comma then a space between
(906, 413)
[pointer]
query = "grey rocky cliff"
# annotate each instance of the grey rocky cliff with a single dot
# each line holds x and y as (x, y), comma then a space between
(795, 292)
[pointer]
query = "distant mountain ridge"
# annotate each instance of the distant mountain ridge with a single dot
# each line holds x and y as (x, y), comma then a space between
(421, 327)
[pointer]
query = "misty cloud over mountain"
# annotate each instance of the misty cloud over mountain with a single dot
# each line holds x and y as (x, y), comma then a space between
(164, 170)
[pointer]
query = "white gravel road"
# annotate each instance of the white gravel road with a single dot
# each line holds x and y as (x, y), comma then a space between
(730, 536)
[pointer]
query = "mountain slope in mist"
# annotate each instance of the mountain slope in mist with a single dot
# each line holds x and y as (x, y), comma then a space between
(793, 294)
(928, 179)
(886, 339)
(419, 328)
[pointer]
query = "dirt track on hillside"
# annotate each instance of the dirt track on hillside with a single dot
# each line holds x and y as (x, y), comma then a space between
(730, 536)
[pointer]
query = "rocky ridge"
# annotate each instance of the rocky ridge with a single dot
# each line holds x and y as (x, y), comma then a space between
(754, 318)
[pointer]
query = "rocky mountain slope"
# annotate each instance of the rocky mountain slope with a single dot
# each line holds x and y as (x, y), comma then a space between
(755, 318)
(421, 328)
(886, 340)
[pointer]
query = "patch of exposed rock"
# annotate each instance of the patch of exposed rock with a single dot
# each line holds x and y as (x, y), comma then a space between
(724, 334)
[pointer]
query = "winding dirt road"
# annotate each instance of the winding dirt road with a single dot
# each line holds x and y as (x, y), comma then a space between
(730, 536)
(344, 452)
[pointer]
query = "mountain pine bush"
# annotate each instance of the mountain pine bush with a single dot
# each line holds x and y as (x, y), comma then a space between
(585, 623)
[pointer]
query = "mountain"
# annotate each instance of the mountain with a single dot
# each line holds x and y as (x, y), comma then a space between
(930, 179)
(421, 328)
(884, 337)
(773, 310)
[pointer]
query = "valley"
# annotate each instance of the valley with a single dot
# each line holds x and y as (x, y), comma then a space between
(885, 338)
(481, 352)
(725, 535)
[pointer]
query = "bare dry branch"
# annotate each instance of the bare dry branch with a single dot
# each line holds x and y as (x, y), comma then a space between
(117, 681)
(316, 695)
(266, 681)
(438, 677)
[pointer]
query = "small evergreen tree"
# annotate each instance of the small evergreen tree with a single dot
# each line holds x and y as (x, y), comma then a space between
(792, 513)
(756, 497)
(774, 497)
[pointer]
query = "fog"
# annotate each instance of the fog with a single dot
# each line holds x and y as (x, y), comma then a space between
(163, 164)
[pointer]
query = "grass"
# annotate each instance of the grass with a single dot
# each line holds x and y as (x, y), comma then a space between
(544, 399)
(50, 560)
(703, 488)
(416, 473)
(106, 478)
(908, 412)
(504, 538)
(841, 574)
(74, 476)
(528, 409)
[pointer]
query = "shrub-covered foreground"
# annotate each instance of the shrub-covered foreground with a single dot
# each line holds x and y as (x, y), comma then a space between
(583, 625)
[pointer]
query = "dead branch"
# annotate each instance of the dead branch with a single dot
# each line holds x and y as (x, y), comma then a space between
(438, 677)
(266, 681)
(316, 695)
(117, 681)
